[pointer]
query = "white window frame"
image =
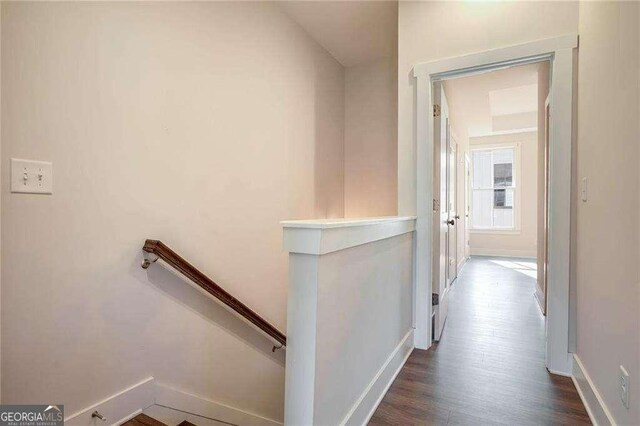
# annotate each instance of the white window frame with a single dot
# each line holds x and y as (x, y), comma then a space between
(517, 193)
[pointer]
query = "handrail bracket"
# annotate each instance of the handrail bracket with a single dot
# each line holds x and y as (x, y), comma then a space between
(149, 259)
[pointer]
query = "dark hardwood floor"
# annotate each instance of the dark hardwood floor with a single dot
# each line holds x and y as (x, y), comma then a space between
(143, 420)
(488, 368)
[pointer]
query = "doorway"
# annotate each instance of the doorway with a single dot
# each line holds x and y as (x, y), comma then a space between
(492, 125)
(559, 52)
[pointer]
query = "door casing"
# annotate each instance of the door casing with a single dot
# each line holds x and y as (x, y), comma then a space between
(559, 51)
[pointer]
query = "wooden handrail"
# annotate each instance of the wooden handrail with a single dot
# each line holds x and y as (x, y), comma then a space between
(163, 252)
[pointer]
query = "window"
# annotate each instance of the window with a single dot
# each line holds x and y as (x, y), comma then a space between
(493, 189)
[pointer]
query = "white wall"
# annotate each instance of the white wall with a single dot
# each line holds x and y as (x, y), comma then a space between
(371, 164)
(201, 124)
(608, 283)
(522, 243)
(434, 30)
(460, 134)
(350, 316)
(364, 312)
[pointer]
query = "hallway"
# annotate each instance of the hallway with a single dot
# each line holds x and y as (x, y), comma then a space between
(489, 366)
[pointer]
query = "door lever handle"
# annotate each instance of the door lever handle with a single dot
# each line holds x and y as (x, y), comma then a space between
(451, 222)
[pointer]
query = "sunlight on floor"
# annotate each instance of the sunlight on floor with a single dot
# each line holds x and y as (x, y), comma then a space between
(528, 268)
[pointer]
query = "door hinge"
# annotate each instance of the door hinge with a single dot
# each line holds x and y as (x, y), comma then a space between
(436, 205)
(436, 110)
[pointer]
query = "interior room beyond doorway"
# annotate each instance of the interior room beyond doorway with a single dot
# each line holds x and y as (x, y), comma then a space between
(496, 133)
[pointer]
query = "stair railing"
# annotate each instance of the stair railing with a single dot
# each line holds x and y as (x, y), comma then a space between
(161, 251)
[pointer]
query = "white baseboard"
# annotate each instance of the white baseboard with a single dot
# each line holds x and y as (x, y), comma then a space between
(593, 402)
(560, 373)
(180, 400)
(126, 418)
(539, 296)
(363, 409)
(131, 401)
(118, 407)
(503, 252)
(461, 263)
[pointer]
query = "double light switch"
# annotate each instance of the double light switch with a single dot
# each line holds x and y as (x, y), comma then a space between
(31, 176)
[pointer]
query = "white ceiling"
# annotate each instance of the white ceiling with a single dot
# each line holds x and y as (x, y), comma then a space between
(514, 100)
(352, 31)
(496, 102)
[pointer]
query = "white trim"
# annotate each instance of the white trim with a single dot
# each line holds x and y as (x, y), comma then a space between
(133, 400)
(129, 417)
(424, 223)
(364, 408)
(325, 236)
(559, 373)
(300, 370)
(169, 397)
(461, 263)
(495, 231)
(505, 132)
(118, 406)
(342, 223)
(593, 402)
(559, 51)
(504, 56)
(493, 146)
(503, 252)
(536, 295)
(559, 233)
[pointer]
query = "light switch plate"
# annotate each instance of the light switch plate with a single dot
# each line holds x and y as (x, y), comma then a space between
(624, 387)
(31, 176)
(583, 190)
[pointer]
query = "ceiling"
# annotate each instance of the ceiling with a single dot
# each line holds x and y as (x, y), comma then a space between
(497, 102)
(353, 32)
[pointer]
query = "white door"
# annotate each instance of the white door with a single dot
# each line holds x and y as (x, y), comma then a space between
(467, 223)
(452, 254)
(440, 208)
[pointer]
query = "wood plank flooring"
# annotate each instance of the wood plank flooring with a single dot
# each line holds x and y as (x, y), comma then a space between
(143, 420)
(488, 367)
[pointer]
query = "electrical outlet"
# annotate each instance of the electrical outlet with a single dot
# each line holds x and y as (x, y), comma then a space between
(624, 386)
